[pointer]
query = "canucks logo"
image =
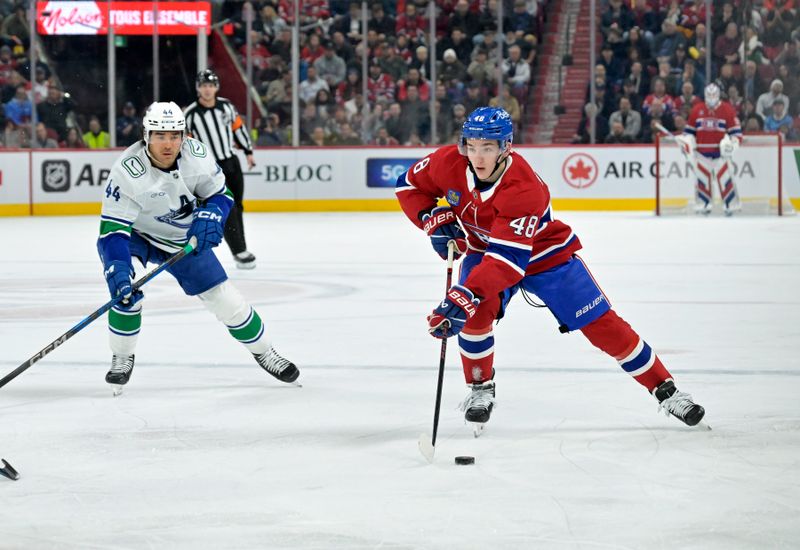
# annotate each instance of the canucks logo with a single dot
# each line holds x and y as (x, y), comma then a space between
(176, 218)
(453, 197)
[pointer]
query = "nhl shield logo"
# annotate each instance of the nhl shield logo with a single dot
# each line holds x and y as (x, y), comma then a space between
(55, 176)
(453, 197)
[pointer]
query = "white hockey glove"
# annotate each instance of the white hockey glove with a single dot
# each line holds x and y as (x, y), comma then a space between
(686, 143)
(727, 146)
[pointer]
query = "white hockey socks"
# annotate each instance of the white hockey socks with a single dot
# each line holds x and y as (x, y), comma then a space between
(243, 322)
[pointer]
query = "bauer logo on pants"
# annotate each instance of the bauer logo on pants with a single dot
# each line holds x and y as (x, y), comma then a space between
(55, 176)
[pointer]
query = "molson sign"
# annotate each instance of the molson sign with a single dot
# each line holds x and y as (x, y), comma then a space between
(54, 18)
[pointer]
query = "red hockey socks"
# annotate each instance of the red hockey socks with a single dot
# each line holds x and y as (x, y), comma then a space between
(614, 336)
(477, 353)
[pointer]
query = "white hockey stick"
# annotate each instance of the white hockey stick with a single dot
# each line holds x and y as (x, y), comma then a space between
(689, 156)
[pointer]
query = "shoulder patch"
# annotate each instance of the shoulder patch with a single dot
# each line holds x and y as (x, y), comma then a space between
(134, 166)
(196, 148)
(453, 197)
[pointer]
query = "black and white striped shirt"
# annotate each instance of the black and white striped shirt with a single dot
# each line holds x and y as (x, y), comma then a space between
(218, 127)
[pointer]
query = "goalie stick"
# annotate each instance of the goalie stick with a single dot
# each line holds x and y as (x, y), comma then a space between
(188, 248)
(427, 445)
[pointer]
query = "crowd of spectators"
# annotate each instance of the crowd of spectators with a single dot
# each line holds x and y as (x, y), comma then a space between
(396, 110)
(651, 67)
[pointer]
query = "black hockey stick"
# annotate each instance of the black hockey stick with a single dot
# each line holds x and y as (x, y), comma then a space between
(188, 248)
(427, 448)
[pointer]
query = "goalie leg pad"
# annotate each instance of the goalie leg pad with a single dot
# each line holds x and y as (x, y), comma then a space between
(703, 193)
(727, 187)
(123, 329)
(477, 353)
(243, 322)
(611, 334)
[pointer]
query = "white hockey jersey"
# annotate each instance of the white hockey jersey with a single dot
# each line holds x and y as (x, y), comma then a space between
(158, 204)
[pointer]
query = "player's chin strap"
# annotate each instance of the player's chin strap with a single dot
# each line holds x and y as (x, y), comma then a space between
(497, 165)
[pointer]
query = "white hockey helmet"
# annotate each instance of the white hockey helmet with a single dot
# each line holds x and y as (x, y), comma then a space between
(163, 116)
(712, 94)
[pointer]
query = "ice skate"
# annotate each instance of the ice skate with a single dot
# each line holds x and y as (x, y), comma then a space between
(282, 369)
(678, 404)
(120, 372)
(478, 405)
(703, 209)
(245, 260)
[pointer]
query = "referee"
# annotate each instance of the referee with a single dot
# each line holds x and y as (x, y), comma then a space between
(214, 121)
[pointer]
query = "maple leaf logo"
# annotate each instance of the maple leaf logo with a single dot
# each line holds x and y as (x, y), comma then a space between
(579, 170)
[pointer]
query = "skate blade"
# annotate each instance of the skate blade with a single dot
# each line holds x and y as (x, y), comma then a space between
(426, 448)
(116, 389)
(477, 428)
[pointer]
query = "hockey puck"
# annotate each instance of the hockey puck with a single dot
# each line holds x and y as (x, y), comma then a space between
(464, 460)
(8, 470)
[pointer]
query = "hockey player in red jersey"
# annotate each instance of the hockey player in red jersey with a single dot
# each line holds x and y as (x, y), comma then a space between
(500, 217)
(709, 141)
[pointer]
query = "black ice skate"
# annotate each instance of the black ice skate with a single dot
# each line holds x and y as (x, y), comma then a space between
(282, 369)
(245, 260)
(478, 405)
(678, 404)
(120, 373)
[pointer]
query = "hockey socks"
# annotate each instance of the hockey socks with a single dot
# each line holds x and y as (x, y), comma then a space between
(243, 322)
(613, 335)
(477, 353)
(250, 331)
(123, 327)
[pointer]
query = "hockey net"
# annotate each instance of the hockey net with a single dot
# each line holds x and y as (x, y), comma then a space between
(757, 175)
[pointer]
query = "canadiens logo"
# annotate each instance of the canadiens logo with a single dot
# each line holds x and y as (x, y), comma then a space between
(175, 217)
(453, 197)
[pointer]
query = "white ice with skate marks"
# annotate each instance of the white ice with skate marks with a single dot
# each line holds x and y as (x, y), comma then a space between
(205, 450)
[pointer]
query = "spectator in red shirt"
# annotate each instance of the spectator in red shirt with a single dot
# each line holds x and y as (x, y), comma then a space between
(726, 47)
(413, 79)
(313, 49)
(659, 94)
(411, 23)
(687, 98)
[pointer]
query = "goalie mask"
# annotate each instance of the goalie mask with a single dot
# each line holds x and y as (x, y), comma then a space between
(163, 116)
(712, 95)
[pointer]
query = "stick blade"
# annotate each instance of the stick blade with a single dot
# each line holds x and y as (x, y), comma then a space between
(426, 447)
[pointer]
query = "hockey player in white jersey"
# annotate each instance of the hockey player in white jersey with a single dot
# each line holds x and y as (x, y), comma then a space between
(161, 192)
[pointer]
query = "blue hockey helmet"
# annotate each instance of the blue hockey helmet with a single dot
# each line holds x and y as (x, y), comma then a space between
(487, 123)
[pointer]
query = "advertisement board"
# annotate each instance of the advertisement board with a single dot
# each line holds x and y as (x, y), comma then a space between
(126, 18)
(54, 181)
(15, 189)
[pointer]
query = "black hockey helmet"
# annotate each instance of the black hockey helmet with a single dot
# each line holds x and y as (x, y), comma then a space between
(207, 76)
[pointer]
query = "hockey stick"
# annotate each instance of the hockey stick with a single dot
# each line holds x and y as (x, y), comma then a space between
(188, 248)
(426, 447)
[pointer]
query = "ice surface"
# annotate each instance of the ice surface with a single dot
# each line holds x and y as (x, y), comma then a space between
(204, 450)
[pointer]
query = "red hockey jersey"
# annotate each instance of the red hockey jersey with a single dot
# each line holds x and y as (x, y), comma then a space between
(511, 221)
(710, 125)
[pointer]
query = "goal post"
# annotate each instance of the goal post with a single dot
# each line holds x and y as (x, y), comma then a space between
(758, 175)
